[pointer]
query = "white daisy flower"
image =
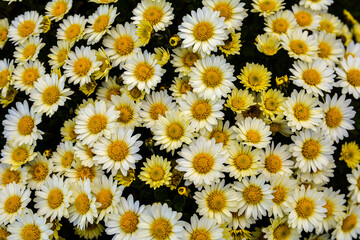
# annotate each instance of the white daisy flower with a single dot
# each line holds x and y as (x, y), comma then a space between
(212, 77)
(78, 172)
(330, 48)
(306, 18)
(338, 117)
(254, 132)
(158, 13)
(255, 197)
(320, 177)
(100, 21)
(39, 171)
(301, 111)
(28, 50)
(280, 23)
(20, 124)
(108, 89)
(24, 26)
(119, 151)
(217, 201)
(313, 150)
(280, 229)
(222, 133)
(278, 125)
(330, 23)
(94, 121)
(129, 111)
(315, 77)
(6, 70)
(63, 157)
(348, 227)
(56, 9)
(142, 71)
(13, 202)
(8, 175)
(267, 7)
(318, 5)
(68, 131)
(49, 93)
(349, 76)
(158, 221)
(27, 74)
(71, 29)
(203, 30)
(124, 224)
(183, 59)
(306, 209)
(17, 154)
(202, 228)
(59, 54)
(83, 209)
(202, 161)
(53, 198)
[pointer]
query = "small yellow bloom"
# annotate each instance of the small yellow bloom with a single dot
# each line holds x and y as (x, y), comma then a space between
(125, 180)
(46, 24)
(144, 31)
(350, 153)
(9, 98)
(88, 88)
(162, 55)
(232, 44)
(267, 44)
(184, 191)
(176, 178)
(355, 25)
(282, 82)
(48, 153)
(174, 40)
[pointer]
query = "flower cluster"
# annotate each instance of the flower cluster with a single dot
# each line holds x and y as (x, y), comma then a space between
(172, 132)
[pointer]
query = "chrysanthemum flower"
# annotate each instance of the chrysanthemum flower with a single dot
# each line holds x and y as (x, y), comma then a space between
(158, 13)
(134, 93)
(280, 23)
(105, 66)
(352, 49)
(348, 227)
(59, 54)
(71, 29)
(8, 175)
(212, 77)
(330, 23)
(28, 50)
(255, 76)
(217, 201)
(330, 48)
(180, 87)
(239, 100)
(349, 76)
(91, 231)
(183, 60)
(56, 9)
(63, 157)
(278, 125)
(100, 21)
(279, 229)
(162, 55)
(129, 111)
(142, 71)
(203, 30)
(85, 154)
(306, 18)
(306, 209)
(27, 74)
(232, 45)
(318, 5)
(6, 70)
(267, 7)
(17, 154)
(159, 222)
(202, 228)
(119, 151)
(156, 172)
(271, 100)
(202, 161)
(144, 31)
(255, 196)
(78, 172)
(4, 29)
(107, 89)
(24, 26)
(39, 171)
(268, 44)
(254, 132)
(320, 177)
(222, 133)
(350, 153)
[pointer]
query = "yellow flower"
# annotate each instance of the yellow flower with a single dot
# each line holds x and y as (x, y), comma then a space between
(9, 98)
(232, 45)
(46, 23)
(162, 55)
(350, 153)
(88, 88)
(174, 40)
(144, 31)
(255, 76)
(268, 44)
(125, 180)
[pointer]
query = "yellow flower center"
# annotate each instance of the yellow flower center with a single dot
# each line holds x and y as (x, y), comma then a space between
(330, 208)
(282, 232)
(349, 223)
(311, 77)
(271, 104)
(72, 32)
(203, 163)
(143, 72)
(237, 103)
(89, 152)
(242, 161)
(30, 232)
(324, 50)
(105, 64)
(135, 93)
(4, 233)
(216, 201)
(156, 109)
(59, 8)
(39, 171)
(3, 34)
(353, 77)
(126, 114)
(124, 45)
(219, 136)
(26, 28)
(86, 172)
(303, 18)
(273, 163)
(267, 6)
(299, 47)
(333, 117)
(4, 78)
(157, 173)
(29, 51)
(97, 123)
(304, 207)
(82, 66)
(129, 222)
(279, 194)
(101, 23)
(185, 87)
(82, 203)
(224, 9)
(29, 76)
(10, 176)
(118, 150)
(175, 131)
(212, 77)
(105, 198)
(20, 155)
(203, 31)
(200, 234)
(252, 194)
(253, 136)
(153, 15)
(12, 204)
(189, 59)
(301, 112)
(280, 25)
(67, 159)
(201, 110)
(51, 95)
(275, 127)
(310, 149)
(112, 91)
(327, 26)
(55, 198)
(254, 79)
(62, 55)
(161, 229)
